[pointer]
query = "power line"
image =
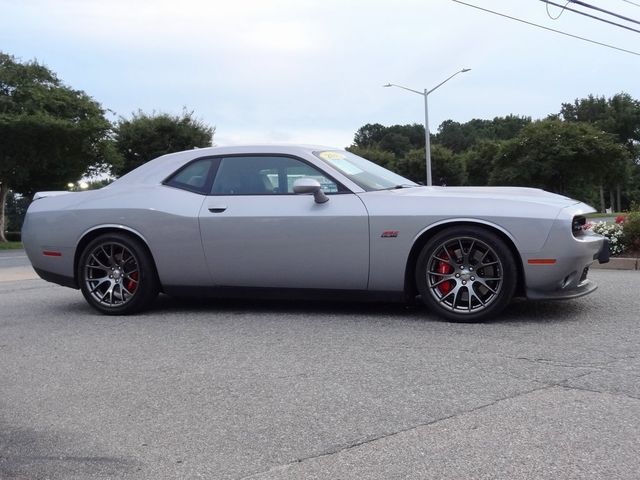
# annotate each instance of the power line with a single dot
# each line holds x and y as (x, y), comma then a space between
(632, 3)
(564, 7)
(549, 29)
(593, 7)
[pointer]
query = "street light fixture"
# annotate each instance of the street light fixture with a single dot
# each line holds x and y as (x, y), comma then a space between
(425, 94)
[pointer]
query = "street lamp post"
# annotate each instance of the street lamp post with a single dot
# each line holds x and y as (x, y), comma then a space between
(425, 94)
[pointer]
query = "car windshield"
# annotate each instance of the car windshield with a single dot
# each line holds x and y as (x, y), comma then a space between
(362, 172)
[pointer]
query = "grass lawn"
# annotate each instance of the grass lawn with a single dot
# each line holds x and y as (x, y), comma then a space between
(10, 245)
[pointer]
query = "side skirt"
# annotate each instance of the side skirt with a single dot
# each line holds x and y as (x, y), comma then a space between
(284, 293)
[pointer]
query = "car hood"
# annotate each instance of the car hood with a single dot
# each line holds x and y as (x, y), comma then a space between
(518, 194)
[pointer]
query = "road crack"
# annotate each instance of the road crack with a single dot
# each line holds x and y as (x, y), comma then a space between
(375, 438)
(603, 392)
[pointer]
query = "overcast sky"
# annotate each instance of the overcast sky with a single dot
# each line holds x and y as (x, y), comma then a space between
(311, 71)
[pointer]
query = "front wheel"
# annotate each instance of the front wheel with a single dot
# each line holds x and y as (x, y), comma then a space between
(117, 275)
(466, 274)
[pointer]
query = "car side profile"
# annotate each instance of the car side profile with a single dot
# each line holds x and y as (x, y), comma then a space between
(303, 220)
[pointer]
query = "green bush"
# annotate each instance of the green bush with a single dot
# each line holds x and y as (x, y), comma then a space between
(632, 231)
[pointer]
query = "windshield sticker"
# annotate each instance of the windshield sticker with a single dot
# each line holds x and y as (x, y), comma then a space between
(332, 156)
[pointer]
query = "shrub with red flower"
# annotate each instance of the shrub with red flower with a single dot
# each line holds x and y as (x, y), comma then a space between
(620, 219)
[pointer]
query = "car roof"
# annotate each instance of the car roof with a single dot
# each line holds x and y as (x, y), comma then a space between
(159, 168)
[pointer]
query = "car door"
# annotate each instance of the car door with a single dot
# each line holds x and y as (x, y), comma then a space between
(257, 233)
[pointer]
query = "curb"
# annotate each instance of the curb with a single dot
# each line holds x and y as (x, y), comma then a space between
(14, 274)
(618, 264)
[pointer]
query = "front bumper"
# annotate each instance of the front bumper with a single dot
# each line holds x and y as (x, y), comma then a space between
(564, 275)
(603, 254)
(584, 288)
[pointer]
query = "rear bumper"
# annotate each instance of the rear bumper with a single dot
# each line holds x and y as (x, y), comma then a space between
(56, 278)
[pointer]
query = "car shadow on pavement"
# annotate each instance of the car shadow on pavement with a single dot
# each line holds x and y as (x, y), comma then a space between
(292, 306)
(519, 311)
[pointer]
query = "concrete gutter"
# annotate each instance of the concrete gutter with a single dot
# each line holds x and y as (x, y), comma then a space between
(619, 263)
(13, 274)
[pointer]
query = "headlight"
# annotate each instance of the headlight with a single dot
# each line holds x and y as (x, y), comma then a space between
(577, 225)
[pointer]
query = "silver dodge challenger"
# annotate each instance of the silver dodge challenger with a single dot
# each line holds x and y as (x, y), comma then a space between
(307, 220)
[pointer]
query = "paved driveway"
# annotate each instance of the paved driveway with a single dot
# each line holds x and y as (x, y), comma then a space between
(266, 390)
(14, 265)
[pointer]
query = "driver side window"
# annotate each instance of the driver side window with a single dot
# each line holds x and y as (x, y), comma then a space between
(265, 175)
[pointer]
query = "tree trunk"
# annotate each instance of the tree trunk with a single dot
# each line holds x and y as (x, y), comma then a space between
(612, 200)
(4, 191)
(603, 208)
(618, 195)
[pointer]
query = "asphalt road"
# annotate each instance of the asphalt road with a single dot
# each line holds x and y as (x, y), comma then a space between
(274, 390)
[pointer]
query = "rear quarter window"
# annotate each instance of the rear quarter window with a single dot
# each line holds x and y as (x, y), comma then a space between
(194, 177)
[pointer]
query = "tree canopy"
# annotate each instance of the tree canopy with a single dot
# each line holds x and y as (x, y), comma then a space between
(50, 134)
(562, 157)
(619, 115)
(145, 137)
(589, 148)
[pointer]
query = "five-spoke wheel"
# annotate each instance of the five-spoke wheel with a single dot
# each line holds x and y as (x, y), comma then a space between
(117, 275)
(466, 274)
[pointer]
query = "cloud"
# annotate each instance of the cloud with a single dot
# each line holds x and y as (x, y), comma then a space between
(174, 26)
(312, 70)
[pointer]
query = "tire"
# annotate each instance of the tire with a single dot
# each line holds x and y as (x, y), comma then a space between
(117, 275)
(466, 274)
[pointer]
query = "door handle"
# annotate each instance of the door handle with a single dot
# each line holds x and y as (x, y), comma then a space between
(219, 209)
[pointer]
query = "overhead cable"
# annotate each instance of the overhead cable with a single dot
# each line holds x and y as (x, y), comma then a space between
(564, 7)
(549, 29)
(593, 7)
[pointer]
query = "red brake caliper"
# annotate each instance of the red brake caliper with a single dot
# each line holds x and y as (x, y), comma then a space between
(445, 269)
(133, 283)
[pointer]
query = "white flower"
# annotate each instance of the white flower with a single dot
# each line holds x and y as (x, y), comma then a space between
(613, 232)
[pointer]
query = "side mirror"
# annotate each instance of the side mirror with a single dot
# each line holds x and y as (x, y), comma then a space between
(309, 185)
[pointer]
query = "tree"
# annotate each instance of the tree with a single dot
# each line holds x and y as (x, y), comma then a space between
(50, 134)
(478, 161)
(16, 208)
(369, 135)
(570, 158)
(377, 156)
(396, 138)
(145, 137)
(447, 168)
(396, 143)
(459, 137)
(618, 115)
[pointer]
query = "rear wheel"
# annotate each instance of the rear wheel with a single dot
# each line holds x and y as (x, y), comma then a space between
(466, 274)
(117, 275)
